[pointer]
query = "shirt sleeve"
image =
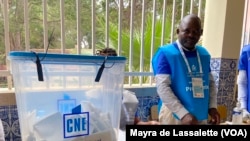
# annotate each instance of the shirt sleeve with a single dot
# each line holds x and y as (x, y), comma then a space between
(162, 77)
(168, 97)
(160, 63)
(242, 88)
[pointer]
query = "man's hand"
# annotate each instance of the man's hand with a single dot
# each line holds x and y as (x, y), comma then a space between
(215, 116)
(153, 122)
(148, 123)
(189, 119)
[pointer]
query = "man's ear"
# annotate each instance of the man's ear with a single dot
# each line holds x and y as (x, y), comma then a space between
(201, 31)
(177, 30)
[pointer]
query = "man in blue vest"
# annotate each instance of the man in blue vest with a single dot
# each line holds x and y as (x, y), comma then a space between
(183, 78)
(243, 82)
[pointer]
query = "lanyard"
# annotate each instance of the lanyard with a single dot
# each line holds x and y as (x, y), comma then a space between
(186, 61)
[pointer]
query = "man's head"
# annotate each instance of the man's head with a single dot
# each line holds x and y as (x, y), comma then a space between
(107, 52)
(189, 31)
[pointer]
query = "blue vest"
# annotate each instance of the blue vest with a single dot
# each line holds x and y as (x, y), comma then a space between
(181, 79)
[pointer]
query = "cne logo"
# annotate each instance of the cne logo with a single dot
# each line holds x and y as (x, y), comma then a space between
(76, 124)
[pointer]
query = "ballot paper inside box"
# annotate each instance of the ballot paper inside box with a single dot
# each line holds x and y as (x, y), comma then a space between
(77, 125)
(67, 97)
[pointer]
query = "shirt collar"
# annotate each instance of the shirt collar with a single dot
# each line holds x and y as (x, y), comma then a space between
(180, 45)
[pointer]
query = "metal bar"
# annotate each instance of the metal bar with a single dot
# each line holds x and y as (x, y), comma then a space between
(45, 25)
(119, 51)
(93, 27)
(138, 74)
(131, 46)
(200, 8)
(153, 34)
(163, 21)
(107, 24)
(62, 15)
(26, 25)
(173, 21)
(182, 8)
(142, 41)
(7, 39)
(5, 73)
(245, 29)
(191, 6)
(78, 28)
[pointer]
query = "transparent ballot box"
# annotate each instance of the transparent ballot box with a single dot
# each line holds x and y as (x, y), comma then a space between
(62, 97)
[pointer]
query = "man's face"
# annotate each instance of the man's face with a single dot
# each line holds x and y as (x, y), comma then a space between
(189, 34)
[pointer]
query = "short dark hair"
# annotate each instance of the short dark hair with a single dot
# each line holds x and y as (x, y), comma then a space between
(106, 52)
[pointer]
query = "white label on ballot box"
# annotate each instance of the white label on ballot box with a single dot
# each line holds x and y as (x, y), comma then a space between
(76, 124)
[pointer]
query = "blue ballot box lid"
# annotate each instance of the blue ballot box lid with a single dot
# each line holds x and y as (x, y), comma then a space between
(72, 59)
(65, 58)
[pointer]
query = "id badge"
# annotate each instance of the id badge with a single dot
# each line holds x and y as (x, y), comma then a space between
(197, 85)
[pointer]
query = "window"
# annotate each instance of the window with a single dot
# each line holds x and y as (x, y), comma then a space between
(135, 28)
